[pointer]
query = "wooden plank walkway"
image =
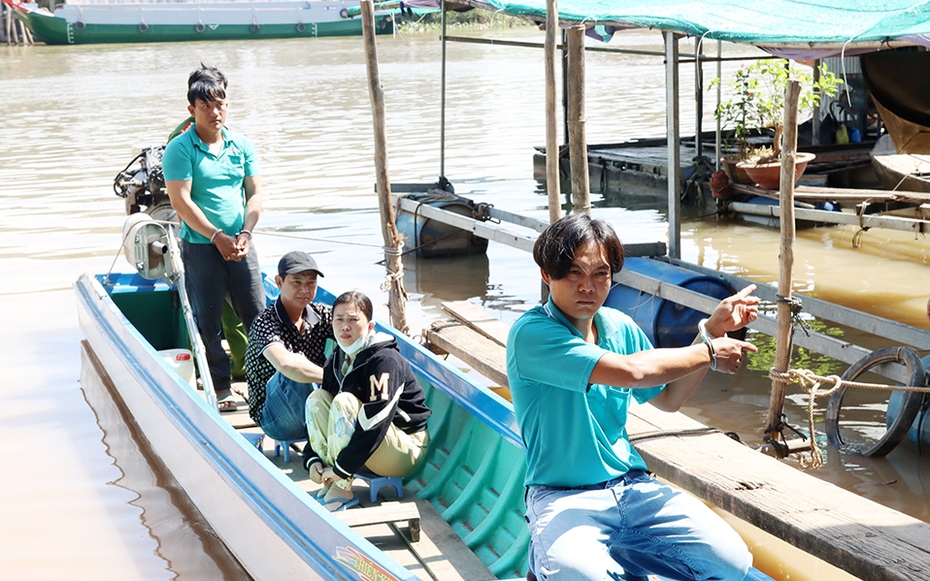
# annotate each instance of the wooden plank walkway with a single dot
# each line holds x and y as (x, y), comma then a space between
(848, 195)
(855, 534)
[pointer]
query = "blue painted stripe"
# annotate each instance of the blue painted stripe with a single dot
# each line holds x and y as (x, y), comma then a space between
(181, 413)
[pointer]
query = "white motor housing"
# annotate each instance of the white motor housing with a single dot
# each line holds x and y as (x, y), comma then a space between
(145, 245)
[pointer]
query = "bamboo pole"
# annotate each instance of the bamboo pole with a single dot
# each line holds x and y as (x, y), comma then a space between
(698, 97)
(673, 133)
(9, 25)
(442, 102)
(27, 34)
(718, 151)
(577, 145)
(815, 120)
(393, 243)
(24, 37)
(785, 256)
(553, 184)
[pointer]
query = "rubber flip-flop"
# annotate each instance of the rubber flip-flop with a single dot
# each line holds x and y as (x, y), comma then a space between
(320, 494)
(342, 502)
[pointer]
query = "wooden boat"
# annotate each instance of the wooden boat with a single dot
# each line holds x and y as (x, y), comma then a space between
(900, 171)
(151, 21)
(473, 475)
(901, 158)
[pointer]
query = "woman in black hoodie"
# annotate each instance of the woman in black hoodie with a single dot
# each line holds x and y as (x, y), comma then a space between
(371, 411)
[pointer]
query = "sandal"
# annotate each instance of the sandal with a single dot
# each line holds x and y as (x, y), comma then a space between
(227, 403)
(339, 504)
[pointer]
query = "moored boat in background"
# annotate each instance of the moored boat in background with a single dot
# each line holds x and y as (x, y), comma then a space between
(90, 22)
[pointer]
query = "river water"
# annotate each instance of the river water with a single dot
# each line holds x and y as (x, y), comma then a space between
(79, 499)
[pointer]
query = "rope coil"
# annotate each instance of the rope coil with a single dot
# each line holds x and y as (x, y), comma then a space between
(394, 278)
(795, 306)
(811, 383)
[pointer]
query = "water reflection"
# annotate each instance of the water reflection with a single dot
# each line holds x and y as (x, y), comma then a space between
(457, 278)
(186, 542)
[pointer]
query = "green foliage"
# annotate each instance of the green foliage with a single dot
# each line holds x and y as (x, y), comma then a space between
(476, 18)
(801, 358)
(757, 97)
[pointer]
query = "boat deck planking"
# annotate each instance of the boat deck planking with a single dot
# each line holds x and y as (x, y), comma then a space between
(852, 533)
(476, 317)
(649, 158)
(482, 354)
(408, 529)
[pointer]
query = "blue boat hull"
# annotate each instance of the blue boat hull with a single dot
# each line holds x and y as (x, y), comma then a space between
(473, 473)
(919, 434)
(269, 523)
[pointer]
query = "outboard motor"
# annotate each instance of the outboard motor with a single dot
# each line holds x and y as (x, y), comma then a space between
(146, 246)
(142, 185)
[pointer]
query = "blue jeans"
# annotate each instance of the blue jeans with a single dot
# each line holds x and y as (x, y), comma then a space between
(210, 280)
(283, 416)
(628, 528)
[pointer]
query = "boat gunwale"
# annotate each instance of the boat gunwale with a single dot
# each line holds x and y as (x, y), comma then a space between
(286, 506)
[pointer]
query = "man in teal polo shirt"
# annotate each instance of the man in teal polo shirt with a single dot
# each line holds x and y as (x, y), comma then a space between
(214, 183)
(573, 366)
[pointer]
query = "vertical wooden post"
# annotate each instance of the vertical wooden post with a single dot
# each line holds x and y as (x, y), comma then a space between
(815, 120)
(563, 60)
(577, 144)
(698, 97)
(27, 35)
(10, 30)
(553, 184)
(718, 152)
(393, 243)
(442, 101)
(785, 255)
(674, 144)
(7, 24)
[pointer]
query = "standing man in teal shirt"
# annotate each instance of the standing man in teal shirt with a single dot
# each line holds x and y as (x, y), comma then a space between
(573, 366)
(214, 183)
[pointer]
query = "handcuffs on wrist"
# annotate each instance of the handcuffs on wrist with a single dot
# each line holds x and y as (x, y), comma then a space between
(707, 338)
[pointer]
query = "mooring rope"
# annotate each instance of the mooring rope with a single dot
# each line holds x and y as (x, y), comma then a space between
(665, 433)
(393, 277)
(330, 240)
(810, 383)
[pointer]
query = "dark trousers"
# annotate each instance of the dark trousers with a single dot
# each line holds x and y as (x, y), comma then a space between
(210, 281)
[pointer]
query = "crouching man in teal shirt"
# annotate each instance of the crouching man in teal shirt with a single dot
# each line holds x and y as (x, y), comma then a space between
(573, 366)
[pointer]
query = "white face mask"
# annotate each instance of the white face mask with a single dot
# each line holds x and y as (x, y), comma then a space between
(353, 349)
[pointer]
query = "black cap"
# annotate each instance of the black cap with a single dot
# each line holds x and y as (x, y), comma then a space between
(297, 261)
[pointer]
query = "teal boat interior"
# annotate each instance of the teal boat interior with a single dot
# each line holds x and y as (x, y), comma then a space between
(473, 473)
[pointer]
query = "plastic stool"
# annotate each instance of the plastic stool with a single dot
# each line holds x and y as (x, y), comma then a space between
(254, 438)
(375, 483)
(285, 446)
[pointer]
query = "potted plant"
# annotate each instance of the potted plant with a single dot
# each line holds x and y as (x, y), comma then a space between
(757, 100)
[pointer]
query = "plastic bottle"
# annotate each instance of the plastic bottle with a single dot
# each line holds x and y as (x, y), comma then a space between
(182, 360)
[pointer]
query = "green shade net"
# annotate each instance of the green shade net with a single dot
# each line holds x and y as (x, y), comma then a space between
(768, 22)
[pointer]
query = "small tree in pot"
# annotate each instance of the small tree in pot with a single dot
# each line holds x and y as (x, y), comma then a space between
(757, 100)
